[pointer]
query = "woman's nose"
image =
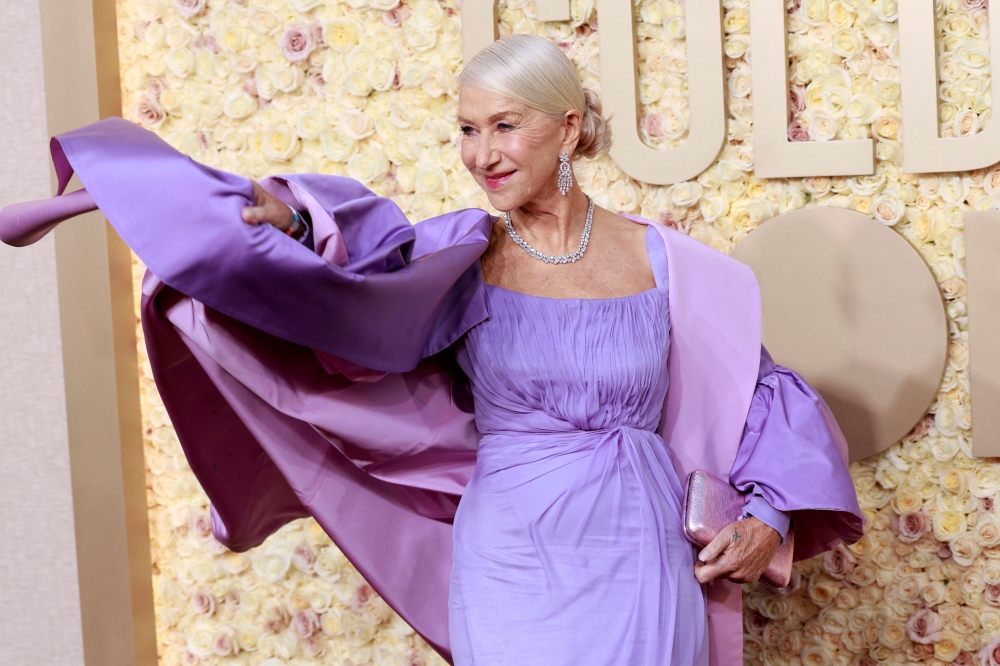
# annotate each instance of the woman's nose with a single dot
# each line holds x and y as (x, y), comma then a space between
(486, 153)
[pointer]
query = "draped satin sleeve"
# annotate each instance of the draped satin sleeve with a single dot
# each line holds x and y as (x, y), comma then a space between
(790, 440)
(320, 380)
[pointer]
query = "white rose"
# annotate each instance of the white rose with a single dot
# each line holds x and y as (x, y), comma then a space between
(972, 58)
(673, 124)
(713, 207)
(310, 124)
(861, 109)
(366, 167)
(431, 180)
(265, 82)
(760, 210)
(357, 84)
(337, 146)
(239, 105)
(888, 209)
(821, 126)
(356, 124)
(382, 75)
(813, 12)
(684, 195)
(341, 34)
(287, 78)
(273, 563)
(965, 123)
(847, 42)
(180, 61)
(740, 81)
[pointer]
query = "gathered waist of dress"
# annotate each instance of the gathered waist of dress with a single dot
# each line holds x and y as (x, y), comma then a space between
(557, 428)
(560, 440)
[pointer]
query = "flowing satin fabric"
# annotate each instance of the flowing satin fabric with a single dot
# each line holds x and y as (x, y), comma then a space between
(241, 321)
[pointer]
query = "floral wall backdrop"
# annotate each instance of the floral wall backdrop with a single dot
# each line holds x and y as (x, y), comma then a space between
(366, 88)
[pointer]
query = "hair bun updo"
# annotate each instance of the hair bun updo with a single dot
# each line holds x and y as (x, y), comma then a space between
(534, 71)
(595, 132)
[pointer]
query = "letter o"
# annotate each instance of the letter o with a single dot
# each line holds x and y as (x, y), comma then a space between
(853, 308)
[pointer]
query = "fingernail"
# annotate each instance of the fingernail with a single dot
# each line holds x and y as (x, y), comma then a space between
(702, 556)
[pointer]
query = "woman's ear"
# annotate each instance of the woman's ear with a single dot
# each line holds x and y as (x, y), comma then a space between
(572, 123)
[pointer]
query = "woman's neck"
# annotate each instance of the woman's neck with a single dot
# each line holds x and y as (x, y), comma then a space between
(553, 224)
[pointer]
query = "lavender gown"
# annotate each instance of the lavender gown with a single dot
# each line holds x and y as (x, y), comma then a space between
(568, 542)
(320, 382)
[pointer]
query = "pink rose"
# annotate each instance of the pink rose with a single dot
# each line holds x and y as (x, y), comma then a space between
(203, 602)
(313, 646)
(303, 556)
(361, 596)
(394, 17)
(964, 658)
(925, 626)
(189, 8)
(839, 562)
(297, 43)
(155, 87)
(651, 125)
(992, 595)
(974, 4)
(797, 99)
(224, 643)
(797, 132)
(315, 81)
(990, 655)
(911, 526)
(202, 525)
(985, 505)
(944, 552)
(305, 623)
(754, 622)
(148, 112)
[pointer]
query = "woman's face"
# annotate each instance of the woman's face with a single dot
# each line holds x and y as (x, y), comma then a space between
(512, 150)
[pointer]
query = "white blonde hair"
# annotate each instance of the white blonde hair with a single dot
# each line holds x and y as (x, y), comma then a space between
(533, 71)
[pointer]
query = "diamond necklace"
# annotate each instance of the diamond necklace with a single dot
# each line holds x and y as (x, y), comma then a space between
(552, 258)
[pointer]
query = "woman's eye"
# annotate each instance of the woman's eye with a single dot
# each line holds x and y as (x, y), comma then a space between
(504, 126)
(465, 129)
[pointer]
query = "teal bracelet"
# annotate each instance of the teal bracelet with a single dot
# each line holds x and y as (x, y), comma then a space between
(298, 224)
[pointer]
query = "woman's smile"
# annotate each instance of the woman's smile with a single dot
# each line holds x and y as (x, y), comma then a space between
(496, 180)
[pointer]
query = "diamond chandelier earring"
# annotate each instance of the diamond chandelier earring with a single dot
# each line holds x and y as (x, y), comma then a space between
(565, 174)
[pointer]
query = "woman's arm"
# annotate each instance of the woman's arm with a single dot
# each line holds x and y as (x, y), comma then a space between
(792, 461)
(269, 209)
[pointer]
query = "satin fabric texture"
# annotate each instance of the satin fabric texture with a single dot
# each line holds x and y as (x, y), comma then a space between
(325, 382)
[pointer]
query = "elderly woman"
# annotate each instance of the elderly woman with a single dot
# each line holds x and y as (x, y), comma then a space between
(336, 373)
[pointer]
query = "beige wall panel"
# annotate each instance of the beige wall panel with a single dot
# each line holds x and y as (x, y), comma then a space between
(552, 10)
(99, 359)
(39, 591)
(850, 305)
(706, 94)
(479, 26)
(774, 155)
(982, 257)
(73, 489)
(924, 151)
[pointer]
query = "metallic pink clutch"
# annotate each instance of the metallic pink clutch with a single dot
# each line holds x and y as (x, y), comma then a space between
(710, 504)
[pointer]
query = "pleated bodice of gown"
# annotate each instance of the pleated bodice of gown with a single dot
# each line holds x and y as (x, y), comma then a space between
(568, 542)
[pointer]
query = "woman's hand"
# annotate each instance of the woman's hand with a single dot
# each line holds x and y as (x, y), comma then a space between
(740, 552)
(268, 208)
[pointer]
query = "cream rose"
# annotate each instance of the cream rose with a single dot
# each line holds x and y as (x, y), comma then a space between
(366, 167)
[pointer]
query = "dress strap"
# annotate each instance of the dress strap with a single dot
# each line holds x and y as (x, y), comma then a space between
(657, 252)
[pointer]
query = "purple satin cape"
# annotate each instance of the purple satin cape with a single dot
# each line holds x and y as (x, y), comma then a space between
(321, 383)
